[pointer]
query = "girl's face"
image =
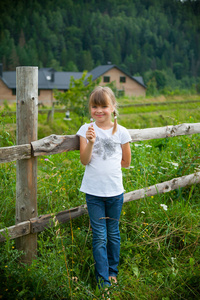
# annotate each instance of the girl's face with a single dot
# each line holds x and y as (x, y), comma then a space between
(102, 113)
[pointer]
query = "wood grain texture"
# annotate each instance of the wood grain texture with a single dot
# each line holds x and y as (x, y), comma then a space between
(14, 153)
(164, 132)
(26, 169)
(55, 144)
(15, 231)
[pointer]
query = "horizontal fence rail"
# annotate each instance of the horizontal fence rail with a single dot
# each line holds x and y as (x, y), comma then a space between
(40, 223)
(55, 144)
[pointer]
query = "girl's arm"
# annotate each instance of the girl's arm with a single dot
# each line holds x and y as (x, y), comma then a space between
(86, 147)
(126, 155)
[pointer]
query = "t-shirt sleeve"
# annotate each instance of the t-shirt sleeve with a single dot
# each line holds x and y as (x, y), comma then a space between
(82, 130)
(125, 136)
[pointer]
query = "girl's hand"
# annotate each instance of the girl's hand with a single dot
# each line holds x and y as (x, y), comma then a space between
(85, 147)
(90, 134)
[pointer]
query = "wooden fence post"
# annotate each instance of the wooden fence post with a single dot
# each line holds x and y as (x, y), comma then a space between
(26, 174)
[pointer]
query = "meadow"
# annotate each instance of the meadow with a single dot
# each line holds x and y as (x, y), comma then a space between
(160, 249)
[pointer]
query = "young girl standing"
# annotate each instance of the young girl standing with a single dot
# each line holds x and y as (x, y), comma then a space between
(104, 149)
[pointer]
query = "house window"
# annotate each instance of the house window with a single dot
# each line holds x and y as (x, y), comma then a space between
(14, 92)
(106, 78)
(122, 79)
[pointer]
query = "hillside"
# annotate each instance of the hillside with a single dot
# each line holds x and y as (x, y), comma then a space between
(138, 36)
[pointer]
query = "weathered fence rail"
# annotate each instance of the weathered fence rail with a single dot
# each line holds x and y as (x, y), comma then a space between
(55, 144)
(28, 148)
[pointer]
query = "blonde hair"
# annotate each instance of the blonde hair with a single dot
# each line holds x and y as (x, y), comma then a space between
(104, 96)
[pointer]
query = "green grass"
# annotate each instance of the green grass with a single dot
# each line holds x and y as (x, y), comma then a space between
(160, 249)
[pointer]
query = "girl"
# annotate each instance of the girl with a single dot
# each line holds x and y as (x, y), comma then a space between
(104, 149)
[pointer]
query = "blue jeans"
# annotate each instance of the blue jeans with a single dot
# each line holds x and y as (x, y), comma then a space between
(104, 213)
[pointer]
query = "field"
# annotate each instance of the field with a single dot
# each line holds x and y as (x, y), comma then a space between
(160, 249)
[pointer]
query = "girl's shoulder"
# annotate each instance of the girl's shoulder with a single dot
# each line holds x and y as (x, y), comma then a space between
(123, 134)
(121, 128)
(82, 130)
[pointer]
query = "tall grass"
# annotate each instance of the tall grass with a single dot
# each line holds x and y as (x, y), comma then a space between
(160, 249)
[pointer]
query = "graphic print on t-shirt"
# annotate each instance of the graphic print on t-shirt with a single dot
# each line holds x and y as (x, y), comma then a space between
(104, 147)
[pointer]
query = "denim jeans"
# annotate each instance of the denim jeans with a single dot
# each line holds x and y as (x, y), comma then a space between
(104, 213)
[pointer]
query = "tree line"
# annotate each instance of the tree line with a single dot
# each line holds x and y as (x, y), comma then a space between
(157, 39)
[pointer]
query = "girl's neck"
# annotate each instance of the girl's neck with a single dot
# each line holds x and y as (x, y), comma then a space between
(104, 125)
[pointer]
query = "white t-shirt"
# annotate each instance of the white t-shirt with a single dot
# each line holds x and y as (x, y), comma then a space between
(103, 175)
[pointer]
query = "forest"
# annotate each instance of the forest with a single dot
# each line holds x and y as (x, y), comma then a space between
(141, 37)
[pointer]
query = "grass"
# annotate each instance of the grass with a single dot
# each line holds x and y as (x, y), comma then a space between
(159, 244)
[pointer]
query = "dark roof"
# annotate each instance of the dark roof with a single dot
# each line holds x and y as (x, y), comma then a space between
(9, 78)
(48, 78)
(100, 70)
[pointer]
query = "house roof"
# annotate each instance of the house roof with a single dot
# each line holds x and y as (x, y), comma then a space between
(48, 78)
(100, 70)
(9, 78)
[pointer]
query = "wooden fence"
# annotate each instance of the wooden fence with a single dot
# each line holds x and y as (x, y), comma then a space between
(28, 224)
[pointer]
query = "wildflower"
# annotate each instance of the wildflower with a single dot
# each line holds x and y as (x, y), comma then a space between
(50, 192)
(142, 212)
(78, 228)
(75, 278)
(46, 159)
(6, 266)
(172, 163)
(188, 145)
(152, 197)
(124, 212)
(173, 259)
(163, 206)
